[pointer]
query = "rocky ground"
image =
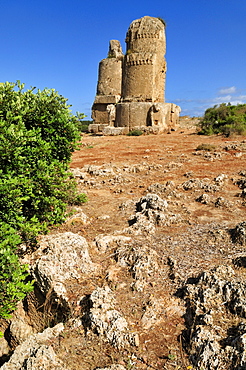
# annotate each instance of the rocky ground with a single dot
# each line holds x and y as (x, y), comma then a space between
(150, 272)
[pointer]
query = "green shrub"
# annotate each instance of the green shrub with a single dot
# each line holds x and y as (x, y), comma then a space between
(135, 133)
(224, 119)
(13, 285)
(38, 134)
(44, 114)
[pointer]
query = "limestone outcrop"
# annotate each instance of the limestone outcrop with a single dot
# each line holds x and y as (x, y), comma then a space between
(106, 321)
(161, 262)
(212, 302)
(59, 258)
(36, 353)
(130, 89)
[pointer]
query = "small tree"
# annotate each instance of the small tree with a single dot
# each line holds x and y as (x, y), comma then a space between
(225, 119)
(38, 134)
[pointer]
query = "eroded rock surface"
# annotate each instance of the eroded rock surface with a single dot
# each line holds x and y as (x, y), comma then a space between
(137, 292)
(36, 353)
(213, 303)
(104, 319)
(60, 257)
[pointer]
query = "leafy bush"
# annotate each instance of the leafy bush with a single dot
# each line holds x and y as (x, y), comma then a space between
(135, 133)
(13, 286)
(38, 134)
(225, 119)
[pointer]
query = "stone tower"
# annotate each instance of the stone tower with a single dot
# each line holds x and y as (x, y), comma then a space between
(109, 86)
(144, 63)
(130, 92)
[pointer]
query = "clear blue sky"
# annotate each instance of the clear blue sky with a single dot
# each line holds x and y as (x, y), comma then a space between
(58, 44)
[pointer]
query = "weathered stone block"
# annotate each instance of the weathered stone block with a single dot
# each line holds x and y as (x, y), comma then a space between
(114, 131)
(109, 77)
(106, 99)
(132, 114)
(95, 128)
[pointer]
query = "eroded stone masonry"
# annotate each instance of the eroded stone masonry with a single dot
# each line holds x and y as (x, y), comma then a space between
(131, 87)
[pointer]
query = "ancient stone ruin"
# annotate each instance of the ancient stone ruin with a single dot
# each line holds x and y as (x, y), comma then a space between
(130, 89)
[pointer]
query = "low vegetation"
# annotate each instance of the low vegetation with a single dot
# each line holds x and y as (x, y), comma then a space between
(224, 119)
(38, 134)
(206, 147)
(83, 124)
(135, 133)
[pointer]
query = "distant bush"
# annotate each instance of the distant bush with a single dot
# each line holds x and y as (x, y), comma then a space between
(83, 125)
(226, 119)
(38, 134)
(135, 133)
(207, 147)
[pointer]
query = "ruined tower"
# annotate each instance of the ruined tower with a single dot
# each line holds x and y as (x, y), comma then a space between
(109, 87)
(144, 63)
(130, 92)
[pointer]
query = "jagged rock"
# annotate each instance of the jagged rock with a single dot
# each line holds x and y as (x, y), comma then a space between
(141, 224)
(151, 211)
(205, 184)
(239, 233)
(103, 242)
(210, 301)
(243, 193)
(205, 352)
(192, 184)
(220, 179)
(106, 321)
(4, 347)
(241, 183)
(151, 201)
(19, 329)
(204, 199)
(94, 170)
(78, 216)
(35, 353)
(242, 173)
(240, 261)
(60, 257)
(78, 173)
(222, 202)
(168, 189)
(135, 168)
(141, 262)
